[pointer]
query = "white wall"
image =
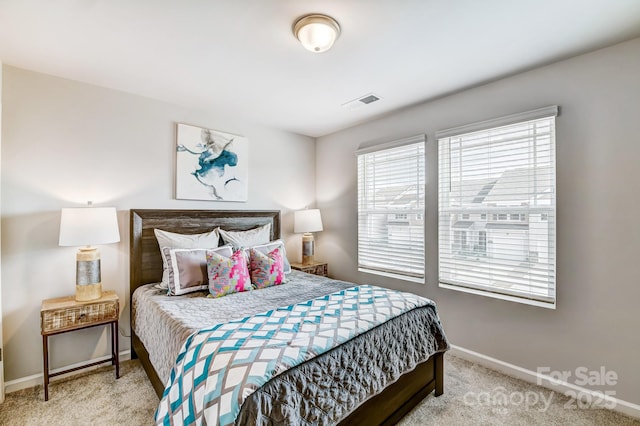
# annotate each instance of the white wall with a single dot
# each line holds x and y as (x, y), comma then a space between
(65, 143)
(597, 319)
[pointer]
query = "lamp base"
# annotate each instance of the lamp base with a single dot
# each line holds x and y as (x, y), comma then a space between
(308, 248)
(85, 293)
(88, 280)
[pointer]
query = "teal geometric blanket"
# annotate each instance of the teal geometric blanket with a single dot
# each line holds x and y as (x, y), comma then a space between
(219, 367)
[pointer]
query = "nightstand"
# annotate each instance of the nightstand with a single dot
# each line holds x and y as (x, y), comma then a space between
(315, 268)
(65, 314)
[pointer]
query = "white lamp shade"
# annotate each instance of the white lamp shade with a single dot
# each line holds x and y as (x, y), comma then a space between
(85, 226)
(307, 221)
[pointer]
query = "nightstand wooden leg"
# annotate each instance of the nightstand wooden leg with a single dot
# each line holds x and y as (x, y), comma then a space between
(45, 356)
(113, 343)
(116, 351)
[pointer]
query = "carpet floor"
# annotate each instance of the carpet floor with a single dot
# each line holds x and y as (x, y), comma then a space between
(472, 397)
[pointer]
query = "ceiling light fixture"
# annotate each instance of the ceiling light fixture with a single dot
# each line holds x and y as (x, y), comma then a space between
(316, 32)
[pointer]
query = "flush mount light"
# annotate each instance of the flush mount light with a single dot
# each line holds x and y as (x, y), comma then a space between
(316, 32)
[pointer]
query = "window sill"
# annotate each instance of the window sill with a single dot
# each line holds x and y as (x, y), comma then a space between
(506, 297)
(392, 275)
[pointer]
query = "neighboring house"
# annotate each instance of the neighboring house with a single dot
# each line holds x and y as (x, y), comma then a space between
(500, 229)
(490, 224)
(402, 226)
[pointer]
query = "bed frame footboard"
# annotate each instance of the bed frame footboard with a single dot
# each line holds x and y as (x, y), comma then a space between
(385, 408)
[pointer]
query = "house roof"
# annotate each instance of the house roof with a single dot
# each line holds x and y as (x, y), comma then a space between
(496, 191)
(399, 195)
(463, 224)
(512, 181)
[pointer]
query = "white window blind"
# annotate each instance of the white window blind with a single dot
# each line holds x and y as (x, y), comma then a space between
(497, 208)
(391, 209)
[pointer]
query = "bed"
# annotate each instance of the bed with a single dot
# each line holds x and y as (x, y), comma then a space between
(385, 407)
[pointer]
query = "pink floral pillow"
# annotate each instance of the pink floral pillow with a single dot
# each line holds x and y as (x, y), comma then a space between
(227, 274)
(266, 269)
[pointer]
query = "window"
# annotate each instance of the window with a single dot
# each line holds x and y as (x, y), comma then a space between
(503, 170)
(390, 194)
(460, 241)
(482, 243)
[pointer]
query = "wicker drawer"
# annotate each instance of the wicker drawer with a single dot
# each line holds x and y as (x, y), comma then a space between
(317, 268)
(77, 315)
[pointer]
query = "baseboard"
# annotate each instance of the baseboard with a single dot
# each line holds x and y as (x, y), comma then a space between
(36, 379)
(619, 405)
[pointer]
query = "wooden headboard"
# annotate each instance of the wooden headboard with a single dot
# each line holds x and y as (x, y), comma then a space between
(145, 259)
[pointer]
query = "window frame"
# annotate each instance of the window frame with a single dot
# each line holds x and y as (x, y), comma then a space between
(505, 216)
(412, 214)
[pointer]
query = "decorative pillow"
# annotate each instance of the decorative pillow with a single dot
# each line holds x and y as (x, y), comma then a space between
(187, 268)
(266, 248)
(208, 240)
(244, 239)
(227, 274)
(266, 269)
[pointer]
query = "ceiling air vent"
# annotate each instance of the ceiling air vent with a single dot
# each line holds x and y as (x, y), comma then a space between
(362, 101)
(368, 99)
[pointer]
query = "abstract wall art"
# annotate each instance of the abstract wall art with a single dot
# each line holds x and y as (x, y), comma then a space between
(211, 165)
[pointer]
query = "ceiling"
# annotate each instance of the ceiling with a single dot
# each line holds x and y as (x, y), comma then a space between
(240, 58)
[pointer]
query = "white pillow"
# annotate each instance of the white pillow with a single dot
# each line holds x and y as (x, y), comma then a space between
(269, 247)
(207, 240)
(245, 239)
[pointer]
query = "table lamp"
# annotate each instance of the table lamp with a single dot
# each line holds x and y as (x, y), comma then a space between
(86, 226)
(307, 221)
